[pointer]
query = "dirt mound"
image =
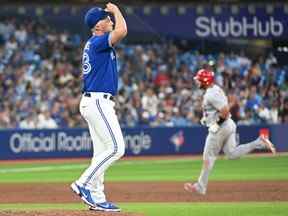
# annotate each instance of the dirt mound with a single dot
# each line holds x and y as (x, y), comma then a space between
(65, 213)
(218, 191)
(221, 191)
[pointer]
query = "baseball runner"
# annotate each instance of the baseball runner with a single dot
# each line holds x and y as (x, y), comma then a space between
(222, 131)
(100, 79)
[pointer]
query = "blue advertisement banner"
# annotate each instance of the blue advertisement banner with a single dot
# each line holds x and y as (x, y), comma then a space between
(63, 143)
(258, 21)
(45, 143)
(222, 25)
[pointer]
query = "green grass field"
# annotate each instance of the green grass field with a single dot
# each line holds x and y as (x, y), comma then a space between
(179, 209)
(248, 168)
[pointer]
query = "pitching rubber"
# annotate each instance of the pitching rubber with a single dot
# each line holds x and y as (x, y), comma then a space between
(103, 209)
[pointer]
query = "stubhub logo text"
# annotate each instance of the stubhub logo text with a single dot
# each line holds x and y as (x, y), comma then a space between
(213, 27)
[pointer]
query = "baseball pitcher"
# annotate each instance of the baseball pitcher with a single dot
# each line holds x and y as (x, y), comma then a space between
(222, 131)
(100, 79)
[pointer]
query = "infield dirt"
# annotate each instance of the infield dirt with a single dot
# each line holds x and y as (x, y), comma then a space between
(218, 191)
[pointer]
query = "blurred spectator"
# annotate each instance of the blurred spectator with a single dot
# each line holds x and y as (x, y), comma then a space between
(149, 102)
(234, 107)
(28, 122)
(39, 70)
(45, 120)
(274, 112)
(284, 111)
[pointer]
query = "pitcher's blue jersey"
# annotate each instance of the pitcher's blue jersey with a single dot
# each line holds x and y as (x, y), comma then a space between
(99, 66)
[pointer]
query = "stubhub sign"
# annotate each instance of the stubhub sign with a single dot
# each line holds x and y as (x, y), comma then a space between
(243, 27)
(208, 23)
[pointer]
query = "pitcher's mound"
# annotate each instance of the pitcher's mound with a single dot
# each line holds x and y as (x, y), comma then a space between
(66, 213)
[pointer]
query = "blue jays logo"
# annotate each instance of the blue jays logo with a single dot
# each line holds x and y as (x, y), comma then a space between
(178, 140)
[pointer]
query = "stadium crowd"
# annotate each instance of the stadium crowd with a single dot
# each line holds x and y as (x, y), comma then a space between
(40, 78)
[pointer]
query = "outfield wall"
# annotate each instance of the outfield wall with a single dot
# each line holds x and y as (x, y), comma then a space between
(62, 143)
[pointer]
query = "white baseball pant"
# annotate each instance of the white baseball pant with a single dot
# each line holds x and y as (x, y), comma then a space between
(107, 138)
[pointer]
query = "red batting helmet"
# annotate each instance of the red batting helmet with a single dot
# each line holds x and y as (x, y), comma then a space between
(205, 77)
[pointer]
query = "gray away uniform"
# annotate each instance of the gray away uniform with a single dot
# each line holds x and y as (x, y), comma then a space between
(224, 139)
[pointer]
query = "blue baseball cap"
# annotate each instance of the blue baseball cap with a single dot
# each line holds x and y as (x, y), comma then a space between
(94, 15)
